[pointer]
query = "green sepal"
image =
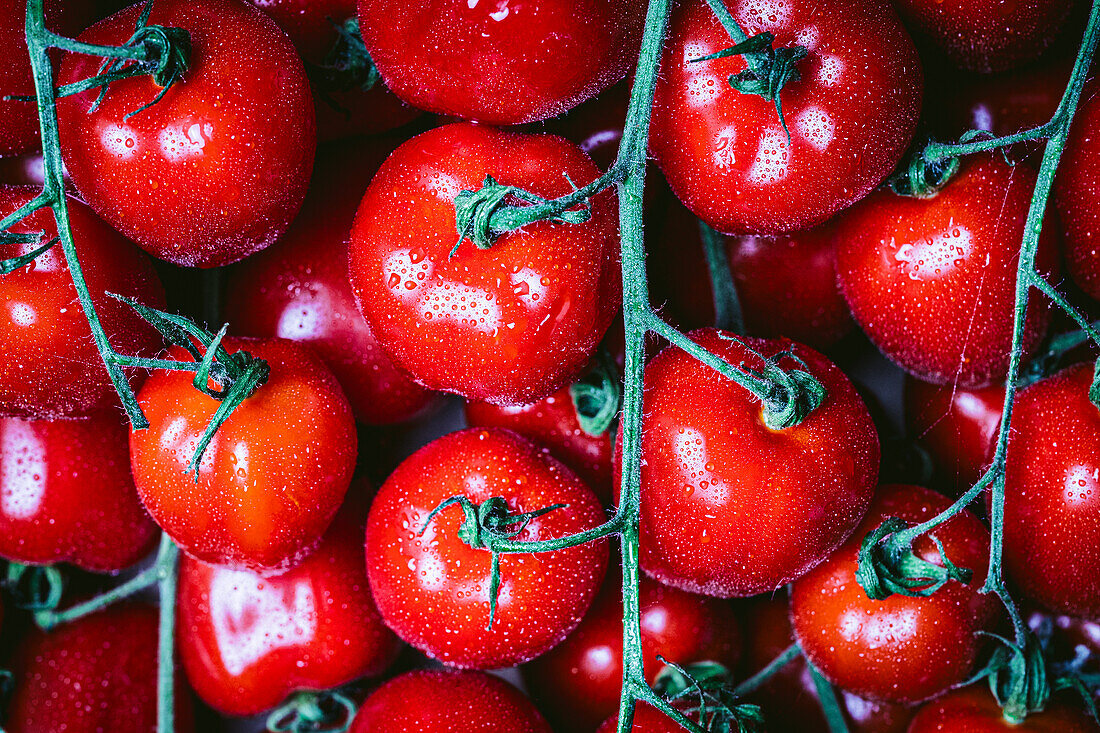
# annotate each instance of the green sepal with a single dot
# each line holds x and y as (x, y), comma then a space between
(598, 396)
(886, 568)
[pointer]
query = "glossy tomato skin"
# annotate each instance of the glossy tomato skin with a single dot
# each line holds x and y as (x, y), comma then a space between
(850, 117)
(987, 35)
(94, 674)
(51, 367)
(312, 26)
(1052, 500)
(973, 710)
(298, 290)
(552, 422)
(731, 507)
(441, 699)
(215, 170)
(957, 426)
(511, 324)
(932, 282)
(66, 494)
(501, 63)
(578, 682)
(274, 474)
(647, 719)
(1077, 191)
(901, 649)
(247, 642)
(433, 589)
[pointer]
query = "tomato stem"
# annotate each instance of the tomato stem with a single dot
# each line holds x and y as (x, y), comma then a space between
(830, 705)
(167, 584)
(727, 306)
(758, 680)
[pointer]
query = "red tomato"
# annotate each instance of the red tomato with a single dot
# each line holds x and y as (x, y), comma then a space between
(1077, 193)
(932, 281)
(850, 116)
(66, 494)
(312, 26)
(731, 507)
(957, 426)
(216, 169)
(299, 290)
(987, 35)
(51, 367)
(22, 170)
(552, 422)
(433, 589)
(973, 710)
(438, 700)
(274, 474)
(94, 674)
(500, 62)
(789, 699)
(578, 682)
(510, 324)
(248, 641)
(808, 308)
(1052, 494)
(901, 649)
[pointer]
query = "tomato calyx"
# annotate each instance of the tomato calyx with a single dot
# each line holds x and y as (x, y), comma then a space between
(346, 66)
(34, 587)
(488, 526)
(705, 688)
(328, 711)
(484, 215)
(888, 565)
(1017, 675)
(920, 176)
(789, 395)
(597, 396)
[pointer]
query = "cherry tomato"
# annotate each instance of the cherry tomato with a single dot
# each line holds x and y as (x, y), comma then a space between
(274, 474)
(1052, 494)
(932, 281)
(511, 324)
(850, 115)
(808, 309)
(438, 699)
(215, 170)
(51, 367)
(987, 35)
(1075, 194)
(95, 674)
(497, 62)
(901, 649)
(731, 507)
(66, 494)
(957, 426)
(313, 27)
(433, 589)
(973, 710)
(247, 641)
(789, 699)
(299, 290)
(579, 681)
(552, 422)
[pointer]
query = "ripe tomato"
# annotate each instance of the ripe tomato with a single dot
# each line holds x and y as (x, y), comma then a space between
(94, 674)
(313, 27)
(1075, 194)
(510, 324)
(299, 290)
(578, 682)
(987, 35)
(901, 649)
(731, 507)
(439, 699)
(850, 115)
(247, 641)
(66, 494)
(957, 426)
(497, 62)
(216, 169)
(1052, 494)
(51, 367)
(433, 589)
(973, 710)
(552, 422)
(932, 281)
(274, 474)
